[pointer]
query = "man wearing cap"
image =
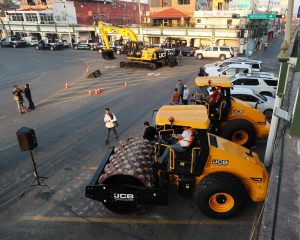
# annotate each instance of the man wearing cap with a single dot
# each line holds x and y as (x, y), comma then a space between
(186, 95)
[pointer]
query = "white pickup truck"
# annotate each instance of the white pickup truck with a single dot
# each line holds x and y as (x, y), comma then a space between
(221, 52)
(229, 70)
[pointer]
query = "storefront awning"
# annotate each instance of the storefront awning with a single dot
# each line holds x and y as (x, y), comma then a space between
(170, 13)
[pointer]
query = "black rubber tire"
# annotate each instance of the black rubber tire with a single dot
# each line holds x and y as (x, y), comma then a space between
(122, 64)
(266, 94)
(200, 56)
(220, 183)
(239, 124)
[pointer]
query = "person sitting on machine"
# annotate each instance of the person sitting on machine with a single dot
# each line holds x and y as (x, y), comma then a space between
(214, 100)
(184, 142)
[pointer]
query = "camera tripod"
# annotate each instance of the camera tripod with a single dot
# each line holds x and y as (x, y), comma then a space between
(37, 178)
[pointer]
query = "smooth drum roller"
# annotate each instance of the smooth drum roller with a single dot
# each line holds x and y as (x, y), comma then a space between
(108, 54)
(131, 165)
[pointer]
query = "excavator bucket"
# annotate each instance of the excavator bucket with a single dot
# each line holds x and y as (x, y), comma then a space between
(108, 54)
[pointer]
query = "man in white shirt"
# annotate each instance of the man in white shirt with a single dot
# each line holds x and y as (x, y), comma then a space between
(109, 119)
(184, 141)
(186, 95)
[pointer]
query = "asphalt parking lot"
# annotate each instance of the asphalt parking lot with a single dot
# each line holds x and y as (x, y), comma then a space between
(70, 132)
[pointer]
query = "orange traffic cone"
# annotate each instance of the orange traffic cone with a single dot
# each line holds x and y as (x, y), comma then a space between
(125, 84)
(90, 93)
(66, 86)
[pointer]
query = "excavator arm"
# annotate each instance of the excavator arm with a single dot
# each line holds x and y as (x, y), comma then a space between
(107, 52)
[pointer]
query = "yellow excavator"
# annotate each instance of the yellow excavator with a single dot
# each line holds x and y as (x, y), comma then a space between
(149, 58)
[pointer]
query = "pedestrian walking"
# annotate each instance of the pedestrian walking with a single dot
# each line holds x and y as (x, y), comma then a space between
(17, 93)
(179, 86)
(180, 57)
(111, 123)
(186, 95)
(175, 97)
(27, 94)
(149, 132)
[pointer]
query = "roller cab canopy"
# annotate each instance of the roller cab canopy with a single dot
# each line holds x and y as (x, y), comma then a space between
(194, 116)
(213, 81)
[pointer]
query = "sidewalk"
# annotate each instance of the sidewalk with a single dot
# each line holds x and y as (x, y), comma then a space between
(281, 215)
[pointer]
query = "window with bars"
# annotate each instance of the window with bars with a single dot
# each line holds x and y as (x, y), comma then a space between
(31, 17)
(16, 17)
(46, 18)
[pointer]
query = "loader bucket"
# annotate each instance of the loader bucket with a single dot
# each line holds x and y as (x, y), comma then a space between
(108, 54)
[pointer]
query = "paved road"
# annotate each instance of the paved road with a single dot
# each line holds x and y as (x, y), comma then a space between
(71, 134)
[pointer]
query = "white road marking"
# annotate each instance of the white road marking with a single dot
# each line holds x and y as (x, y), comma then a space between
(38, 78)
(36, 60)
(1, 118)
(9, 146)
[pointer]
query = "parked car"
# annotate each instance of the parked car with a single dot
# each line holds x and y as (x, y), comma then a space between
(66, 43)
(49, 44)
(13, 41)
(255, 64)
(186, 51)
(263, 103)
(262, 84)
(31, 41)
(86, 44)
(115, 46)
(221, 52)
(229, 71)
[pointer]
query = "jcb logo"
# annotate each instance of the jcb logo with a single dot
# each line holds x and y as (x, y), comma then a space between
(128, 197)
(162, 55)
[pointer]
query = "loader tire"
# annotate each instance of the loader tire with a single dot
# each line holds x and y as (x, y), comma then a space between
(131, 165)
(220, 195)
(239, 131)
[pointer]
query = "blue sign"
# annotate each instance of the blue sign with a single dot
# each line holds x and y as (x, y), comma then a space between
(298, 14)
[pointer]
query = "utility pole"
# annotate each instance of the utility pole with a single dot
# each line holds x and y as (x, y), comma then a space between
(289, 18)
(283, 73)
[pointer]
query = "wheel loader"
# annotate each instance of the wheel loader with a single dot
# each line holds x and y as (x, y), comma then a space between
(220, 175)
(233, 119)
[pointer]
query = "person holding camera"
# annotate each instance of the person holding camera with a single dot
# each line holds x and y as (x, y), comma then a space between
(111, 123)
(17, 94)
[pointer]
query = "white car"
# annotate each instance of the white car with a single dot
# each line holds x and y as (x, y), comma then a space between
(31, 41)
(255, 64)
(263, 84)
(263, 103)
(230, 70)
(221, 52)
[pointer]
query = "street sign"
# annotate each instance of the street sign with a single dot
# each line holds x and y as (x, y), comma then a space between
(262, 16)
(298, 14)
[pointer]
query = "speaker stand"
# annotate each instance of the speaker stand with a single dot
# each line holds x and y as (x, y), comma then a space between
(37, 178)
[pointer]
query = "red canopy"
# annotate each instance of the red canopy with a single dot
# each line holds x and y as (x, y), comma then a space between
(170, 13)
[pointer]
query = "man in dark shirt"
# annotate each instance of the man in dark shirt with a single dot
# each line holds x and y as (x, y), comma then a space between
(27, 94)
(150, 132)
